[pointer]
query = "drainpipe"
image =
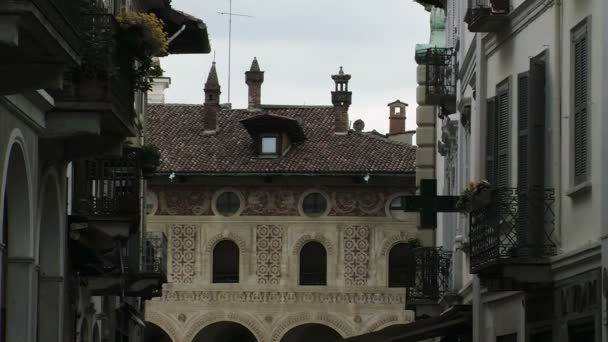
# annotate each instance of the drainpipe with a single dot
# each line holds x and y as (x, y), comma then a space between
(559, 19)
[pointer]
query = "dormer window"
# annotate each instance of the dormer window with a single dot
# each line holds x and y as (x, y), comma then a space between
(273, 135)
(269, 145)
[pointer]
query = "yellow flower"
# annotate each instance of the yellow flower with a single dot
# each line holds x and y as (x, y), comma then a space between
(153, 30)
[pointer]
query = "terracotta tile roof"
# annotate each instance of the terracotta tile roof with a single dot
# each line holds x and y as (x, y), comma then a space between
(177, 129)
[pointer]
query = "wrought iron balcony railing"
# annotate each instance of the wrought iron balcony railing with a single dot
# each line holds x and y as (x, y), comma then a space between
(433, 275)
(516, 227)
(440, 69)
(487, 15)
(154, 254)
(108, 186)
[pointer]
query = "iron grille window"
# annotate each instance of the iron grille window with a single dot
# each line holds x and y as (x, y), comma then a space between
(314, 204)
(228, 203)
(226, 262)
(313, 264)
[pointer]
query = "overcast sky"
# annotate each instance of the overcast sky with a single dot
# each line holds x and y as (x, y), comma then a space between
(300, 44)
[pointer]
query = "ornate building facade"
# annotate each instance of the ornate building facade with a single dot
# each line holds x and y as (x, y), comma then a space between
(283, 224)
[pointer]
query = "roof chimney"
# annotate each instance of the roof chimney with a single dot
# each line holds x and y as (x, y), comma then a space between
(341, 99)
(212, 102)
(254, 79)
(397, 117)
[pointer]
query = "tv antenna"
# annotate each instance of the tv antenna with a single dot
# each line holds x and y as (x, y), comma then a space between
(230, 14)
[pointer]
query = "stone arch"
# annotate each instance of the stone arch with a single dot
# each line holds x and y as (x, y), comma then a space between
(392, 240)
(381, 322)
(340, 325)
(225, 236)
(200, 322)
(318, 237)
(17, 266)
(166, 323)
(51, 254)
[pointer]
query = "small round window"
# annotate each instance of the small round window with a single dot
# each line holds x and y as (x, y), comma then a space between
(228, 203)
(314, 204)
(396, 207)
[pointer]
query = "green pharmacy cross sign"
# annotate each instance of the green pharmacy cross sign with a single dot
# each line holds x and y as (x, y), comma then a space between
(428, 204)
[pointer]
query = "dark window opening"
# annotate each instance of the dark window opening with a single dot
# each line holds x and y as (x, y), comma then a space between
(314, 204)
(398, 265)
(228, 203)
(226, 262)
(313, 264)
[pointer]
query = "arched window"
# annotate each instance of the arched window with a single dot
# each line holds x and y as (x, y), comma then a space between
(313, 264)
(226, 262)
(398, 259)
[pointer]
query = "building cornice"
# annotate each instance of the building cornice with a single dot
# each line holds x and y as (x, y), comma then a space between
(521, 17)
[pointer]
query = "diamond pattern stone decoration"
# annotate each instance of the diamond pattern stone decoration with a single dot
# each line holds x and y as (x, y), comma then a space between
(356, 255)
(269, 246)
(183, 251)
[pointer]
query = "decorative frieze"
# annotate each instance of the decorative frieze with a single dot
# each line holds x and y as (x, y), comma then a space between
(356, 255)
(272, 201)
(269, 248)
(367, 297)
(183, 252)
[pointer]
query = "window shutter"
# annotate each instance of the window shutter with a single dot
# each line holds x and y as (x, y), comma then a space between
(490, 138)
(523, 125)
(581, 110)
(537, 131)
(502, 138)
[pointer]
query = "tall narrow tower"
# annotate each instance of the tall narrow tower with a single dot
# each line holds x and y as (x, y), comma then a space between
(254, 79)
(212, 101)
(341, 99)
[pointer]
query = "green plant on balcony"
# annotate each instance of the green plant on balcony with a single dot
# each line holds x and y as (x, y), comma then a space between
(142, 36)
(476, 196)
(150, 159)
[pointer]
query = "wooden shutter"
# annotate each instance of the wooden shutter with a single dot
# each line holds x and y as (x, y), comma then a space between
(536, 142)
(502, 136)
(581, 109)
(523, 115)
(490, 139)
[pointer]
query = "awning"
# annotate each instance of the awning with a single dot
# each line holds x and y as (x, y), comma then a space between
(193, 39)
(455, 322)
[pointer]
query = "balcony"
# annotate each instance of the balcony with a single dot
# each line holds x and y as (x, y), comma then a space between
(438, 78)
(38, 41)
(510, 238)
(107, 194)
(97, 98)
(147, 277)
(139, 270)
(431, 280)
(487, 15)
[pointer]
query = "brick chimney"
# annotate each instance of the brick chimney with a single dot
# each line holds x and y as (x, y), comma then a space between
(397, 117)
(341, 99)
(254, 79)
(212, 102)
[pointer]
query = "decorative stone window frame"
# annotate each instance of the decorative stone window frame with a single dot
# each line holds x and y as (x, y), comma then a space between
(311, 191)
(332, 259)
(243, 257)
(219, 192)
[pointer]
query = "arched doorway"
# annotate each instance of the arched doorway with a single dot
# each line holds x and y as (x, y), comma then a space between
(16, 252)
(224, 332)
(51, 260)
(311, 332)
(154, 333)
